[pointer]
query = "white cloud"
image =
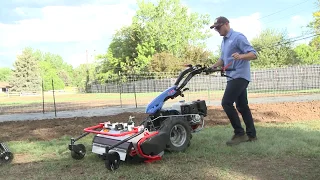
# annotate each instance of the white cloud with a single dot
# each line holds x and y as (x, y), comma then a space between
(292, 35)
(250, 26)
(296, 18)
(19, 11)
(297, 21)
(67, 24)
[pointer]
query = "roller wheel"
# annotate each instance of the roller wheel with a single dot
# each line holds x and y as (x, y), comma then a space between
(179, 132)
(6, 158)
(78, 151)
(112, 161)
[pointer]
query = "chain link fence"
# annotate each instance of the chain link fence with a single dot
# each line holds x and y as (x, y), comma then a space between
(140, 89)
(295, 79)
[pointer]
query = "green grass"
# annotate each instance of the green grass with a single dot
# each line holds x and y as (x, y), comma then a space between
(283, 151)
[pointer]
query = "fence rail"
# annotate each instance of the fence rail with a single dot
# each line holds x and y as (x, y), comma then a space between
(141, 89)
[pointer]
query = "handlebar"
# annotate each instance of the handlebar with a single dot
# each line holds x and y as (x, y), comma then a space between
(198, 69)
(222, 70)
(192, 71)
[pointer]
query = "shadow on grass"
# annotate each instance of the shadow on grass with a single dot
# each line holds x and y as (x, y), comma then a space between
(283, 151)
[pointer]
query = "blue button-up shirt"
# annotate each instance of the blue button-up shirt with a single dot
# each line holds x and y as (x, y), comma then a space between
(236, 42)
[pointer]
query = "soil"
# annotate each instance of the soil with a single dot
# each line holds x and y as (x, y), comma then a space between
(56, 128)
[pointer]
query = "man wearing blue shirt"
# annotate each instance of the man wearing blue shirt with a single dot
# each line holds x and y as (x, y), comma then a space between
(236, 53)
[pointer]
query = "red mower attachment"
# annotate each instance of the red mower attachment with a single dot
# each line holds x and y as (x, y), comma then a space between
(115, 142)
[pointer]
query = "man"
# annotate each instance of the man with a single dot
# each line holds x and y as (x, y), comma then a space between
(237, 52)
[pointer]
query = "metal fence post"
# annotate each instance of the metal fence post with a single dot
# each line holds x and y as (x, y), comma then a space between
(54, 100)
(134, 90)
(42, 98)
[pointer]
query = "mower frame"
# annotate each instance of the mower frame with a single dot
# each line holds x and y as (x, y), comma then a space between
(147, 129)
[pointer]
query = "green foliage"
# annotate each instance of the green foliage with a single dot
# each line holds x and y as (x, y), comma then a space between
(273, 50)
(198, 55)
(315, 27)
(162, 30)
(5, 74)
(84, 75)
(48, 73)
(165, 62)
(25, 76)
(307, 54)
(168, 26)
(63, 71)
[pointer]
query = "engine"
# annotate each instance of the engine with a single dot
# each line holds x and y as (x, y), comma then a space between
(194, 107)
(195, 111)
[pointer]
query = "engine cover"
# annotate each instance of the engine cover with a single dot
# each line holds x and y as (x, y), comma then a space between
(202, 107)
(196, 107)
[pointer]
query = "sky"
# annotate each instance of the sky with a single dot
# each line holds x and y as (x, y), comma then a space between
(72, 27)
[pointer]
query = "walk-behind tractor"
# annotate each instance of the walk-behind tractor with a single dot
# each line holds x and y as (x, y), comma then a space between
(6, 155)
(167, 129)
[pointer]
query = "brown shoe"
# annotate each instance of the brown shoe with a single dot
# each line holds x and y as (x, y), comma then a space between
(251, 139)
(237, 139)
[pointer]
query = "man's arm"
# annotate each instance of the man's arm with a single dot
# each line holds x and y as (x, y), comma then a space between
(247, 51)
(219, 63)
(249, 56)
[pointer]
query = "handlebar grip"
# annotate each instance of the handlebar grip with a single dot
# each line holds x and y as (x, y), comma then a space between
(230, 69)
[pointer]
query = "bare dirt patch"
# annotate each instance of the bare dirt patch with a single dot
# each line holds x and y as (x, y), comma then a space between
(56, 128)
(272, 113)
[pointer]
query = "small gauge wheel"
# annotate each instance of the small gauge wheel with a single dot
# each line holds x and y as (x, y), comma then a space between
(112, 161)
(78, 151)
(6, 158)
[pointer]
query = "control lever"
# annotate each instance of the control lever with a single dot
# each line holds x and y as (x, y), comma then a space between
(185, 89)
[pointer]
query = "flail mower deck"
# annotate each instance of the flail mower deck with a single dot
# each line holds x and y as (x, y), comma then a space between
(164, 129)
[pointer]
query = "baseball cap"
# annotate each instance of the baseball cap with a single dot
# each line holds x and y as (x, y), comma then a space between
(219, 21)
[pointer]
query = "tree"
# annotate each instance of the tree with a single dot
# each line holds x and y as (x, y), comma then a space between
(122, 51)
(165, 62)
(48, 73)
(197, 55)
(26, 76)
(273, 49)
(315, 27)
(166, 27)
(63, 70)
(54, 64)
(307, 54)
(81, 78)
(5, 74)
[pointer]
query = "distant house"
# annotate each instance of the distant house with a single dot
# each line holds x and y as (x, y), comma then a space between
(4, 86)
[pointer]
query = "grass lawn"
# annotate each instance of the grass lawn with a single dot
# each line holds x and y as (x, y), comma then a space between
(283, 151)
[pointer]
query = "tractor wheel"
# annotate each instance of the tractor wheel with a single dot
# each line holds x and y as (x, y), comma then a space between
(78, 152)
(6, 158)
(179, 132)
(112, 161)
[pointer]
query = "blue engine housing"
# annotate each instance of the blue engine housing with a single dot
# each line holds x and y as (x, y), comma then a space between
(158, 102)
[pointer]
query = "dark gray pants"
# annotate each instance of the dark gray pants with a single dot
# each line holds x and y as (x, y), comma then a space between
(236, 92)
